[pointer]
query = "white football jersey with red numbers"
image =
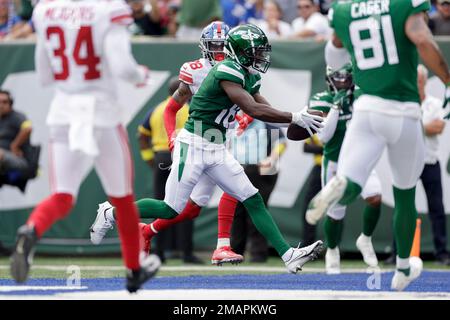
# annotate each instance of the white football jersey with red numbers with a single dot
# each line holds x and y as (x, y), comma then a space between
(83, 47)
(194, 72)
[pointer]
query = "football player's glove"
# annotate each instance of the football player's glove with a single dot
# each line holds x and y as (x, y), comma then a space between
(243, 121)
(446, 105)
(308, 121)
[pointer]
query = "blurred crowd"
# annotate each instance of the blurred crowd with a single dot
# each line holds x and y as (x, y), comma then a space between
(184, 19)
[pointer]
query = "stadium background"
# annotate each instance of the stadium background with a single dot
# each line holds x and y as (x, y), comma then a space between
(296, 66)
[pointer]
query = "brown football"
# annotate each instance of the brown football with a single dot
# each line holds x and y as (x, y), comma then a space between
(297, 133)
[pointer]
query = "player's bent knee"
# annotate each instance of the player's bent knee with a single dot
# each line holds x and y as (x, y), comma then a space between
(200, 201)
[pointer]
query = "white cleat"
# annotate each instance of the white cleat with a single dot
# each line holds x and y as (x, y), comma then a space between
(325, 199)
(333, 261)
(400, 281)
(300, 256)
(364, 245)
(101, 224)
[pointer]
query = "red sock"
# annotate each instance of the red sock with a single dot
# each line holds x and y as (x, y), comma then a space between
(127, 223)
(227, 207)
(191, 211)
(46, 213)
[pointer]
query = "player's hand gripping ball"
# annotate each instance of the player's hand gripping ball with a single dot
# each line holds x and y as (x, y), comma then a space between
(297, 133)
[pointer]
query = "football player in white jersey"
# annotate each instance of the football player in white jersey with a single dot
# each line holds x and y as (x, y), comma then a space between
(191, 75)
(82, 48)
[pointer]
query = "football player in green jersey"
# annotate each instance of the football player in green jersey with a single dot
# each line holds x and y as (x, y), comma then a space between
(199, 149)
(337, 103)
(384, 39)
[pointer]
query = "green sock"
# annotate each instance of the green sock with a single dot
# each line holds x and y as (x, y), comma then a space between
(264, 223)
(370, 219)
(405, 215)
(351, 192)
(333, 231)
(151, 208)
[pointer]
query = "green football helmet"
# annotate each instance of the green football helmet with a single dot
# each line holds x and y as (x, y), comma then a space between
(341, 78)
(249, 47)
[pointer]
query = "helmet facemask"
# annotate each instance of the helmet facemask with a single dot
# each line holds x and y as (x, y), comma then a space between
(260, 57)
(213, 49)
(341, 79)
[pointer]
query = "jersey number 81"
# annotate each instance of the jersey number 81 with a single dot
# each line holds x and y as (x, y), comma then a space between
(373, 43)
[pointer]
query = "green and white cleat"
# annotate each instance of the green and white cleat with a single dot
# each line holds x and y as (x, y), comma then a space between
(325, 199)
(400, 281)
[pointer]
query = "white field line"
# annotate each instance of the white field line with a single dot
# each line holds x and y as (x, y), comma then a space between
(223, 295)
(39, 288)
(203, 268)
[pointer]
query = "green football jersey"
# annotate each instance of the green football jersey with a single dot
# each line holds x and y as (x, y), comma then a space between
(323, 101)
(384, 59)
(211, 108)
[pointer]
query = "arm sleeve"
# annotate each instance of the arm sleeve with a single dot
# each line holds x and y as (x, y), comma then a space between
(336, 57)
(117, 48)
(42, 64)
(120, 13)
(170, 116)
(329, 126)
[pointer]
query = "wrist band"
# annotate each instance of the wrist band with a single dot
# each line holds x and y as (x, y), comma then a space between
(147, 154)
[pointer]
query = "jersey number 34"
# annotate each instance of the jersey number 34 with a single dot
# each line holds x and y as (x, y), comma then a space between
(90, 60)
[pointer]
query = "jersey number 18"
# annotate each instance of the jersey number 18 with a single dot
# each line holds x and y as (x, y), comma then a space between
(373, 42)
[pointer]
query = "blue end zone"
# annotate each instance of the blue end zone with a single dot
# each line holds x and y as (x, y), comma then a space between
(430, 281)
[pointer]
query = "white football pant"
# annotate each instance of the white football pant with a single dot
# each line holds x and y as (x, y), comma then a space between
(370, 132)
(114, 166)
(197, 166)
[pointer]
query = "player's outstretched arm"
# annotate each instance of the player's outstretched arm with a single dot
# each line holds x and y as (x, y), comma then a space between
(117, 48)
(250, 106)
(418, 32)
(265, 112)
(179, 98)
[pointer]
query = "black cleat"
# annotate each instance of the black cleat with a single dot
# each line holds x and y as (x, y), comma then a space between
(149, 268)
(22, 256)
